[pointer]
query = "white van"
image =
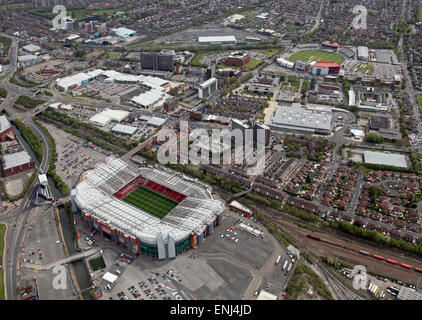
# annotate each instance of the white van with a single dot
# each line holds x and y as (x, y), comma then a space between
(118, 272)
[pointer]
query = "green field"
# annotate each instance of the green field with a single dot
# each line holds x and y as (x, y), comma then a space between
(252, 65)
(150, 202)
(316, 55)
(249, 13)
(420, 13)
(110, 54)
(2, 234)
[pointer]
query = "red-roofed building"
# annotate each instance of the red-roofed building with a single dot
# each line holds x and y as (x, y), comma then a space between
(328, 46)
(324, 68)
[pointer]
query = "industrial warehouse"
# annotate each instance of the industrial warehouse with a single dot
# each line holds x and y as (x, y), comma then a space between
(298, 119)
(115, 199)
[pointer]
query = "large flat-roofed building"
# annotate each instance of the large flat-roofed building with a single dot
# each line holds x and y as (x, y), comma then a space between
(406, 293)
(324, 68)
(157, 61)
(384, 158)
(236, 59)
(379, 123)
(16, 162)
(217, 40)
(302, 120)
(363, 53)
(207, 88)
(369, 99)
(31, 48)
(6, 129)
(100, 198)
(124, 32)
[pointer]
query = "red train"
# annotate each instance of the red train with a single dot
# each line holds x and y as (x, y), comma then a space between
(403, 265)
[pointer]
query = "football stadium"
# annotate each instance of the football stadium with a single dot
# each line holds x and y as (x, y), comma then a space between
(152, 211)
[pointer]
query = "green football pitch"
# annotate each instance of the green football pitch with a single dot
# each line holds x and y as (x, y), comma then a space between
(150, 202)
(316, 55)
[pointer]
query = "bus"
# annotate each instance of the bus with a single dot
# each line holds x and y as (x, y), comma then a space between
(285, 265)
(290, 268)
(278, 259)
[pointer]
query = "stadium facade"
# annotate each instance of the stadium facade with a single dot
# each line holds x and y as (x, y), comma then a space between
(98, 199)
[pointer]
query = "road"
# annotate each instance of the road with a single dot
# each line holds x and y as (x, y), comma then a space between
(19, 216)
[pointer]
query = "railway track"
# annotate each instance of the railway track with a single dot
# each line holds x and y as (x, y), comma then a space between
(340, 290)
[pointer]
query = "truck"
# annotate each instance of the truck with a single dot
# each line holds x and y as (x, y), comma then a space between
(278, 259)
(285, 265)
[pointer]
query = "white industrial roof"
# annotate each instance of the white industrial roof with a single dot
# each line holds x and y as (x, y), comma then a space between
(15, 159)
(55, 105)
(357, 133)
(115, 115)
(31, 48)
(70, 81)
(100, 120)
(264, 295)
(72, 37)
(301, 118)
(384, 158)
(95, 193)
(27, 58)
(123, 129)
(66, 107)
(4, 123)
(217, 39)
(124, 32)
(240, 206)
(110, 277)
(156, 121)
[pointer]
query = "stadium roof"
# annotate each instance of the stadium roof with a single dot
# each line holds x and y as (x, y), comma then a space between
(15, 159)
(4, 123)
(217, 39)
(326, 64)
(301, 119)
(95, 195)
(384, 158)
(329, 44)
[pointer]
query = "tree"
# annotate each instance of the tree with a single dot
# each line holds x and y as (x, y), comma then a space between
(374, 137)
